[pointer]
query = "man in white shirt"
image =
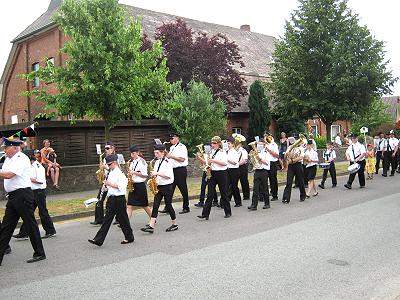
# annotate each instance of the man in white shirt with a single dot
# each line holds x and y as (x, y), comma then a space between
(16, 173)
(379, 145)
(164, 174)
(355, 153)
(233, 173)
(115, 184)
(272, 151)
(244, 172)
(178, 156)
(38, 179)
(389, 154)
(219, 176)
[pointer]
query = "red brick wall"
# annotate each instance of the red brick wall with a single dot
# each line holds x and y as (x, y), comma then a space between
(344, 126)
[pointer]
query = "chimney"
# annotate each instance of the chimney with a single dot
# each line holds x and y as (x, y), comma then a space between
(245, 27)
(54, 4)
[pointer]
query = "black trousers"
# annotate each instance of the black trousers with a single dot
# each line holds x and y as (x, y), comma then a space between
(203, 188)
(332, 173)
(295, 169)
(244, 180)
(8, 247)
(219, 178)
(180, 175)
(273, 179)
(19, 205)
(99, 209)
(260, 187)
(389, 161)
(379, 157)
(164, 191)
(116, 206)
(40, 202)
(360, 172)
(233, 189)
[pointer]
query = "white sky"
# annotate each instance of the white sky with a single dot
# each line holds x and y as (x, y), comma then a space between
(264, 16)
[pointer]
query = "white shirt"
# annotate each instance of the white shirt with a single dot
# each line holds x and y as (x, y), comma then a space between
(393, 142)
(379, 144)
(233, 155)
(139, 165)
(274, 148)
(243, 155)
(166, 169)
(38, 173)
(179, 150)
(358, 148)
(329, 155)
(260, 165)
(338, 140)
(313, 155)
(118, 177)
(20, 165)
(219, 154)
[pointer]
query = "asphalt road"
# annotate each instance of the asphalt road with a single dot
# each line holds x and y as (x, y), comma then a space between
(339, 245)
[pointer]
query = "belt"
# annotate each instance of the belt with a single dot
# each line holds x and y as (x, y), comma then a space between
(17, 190)
(180, 167)
(164, 185)
(116, 196)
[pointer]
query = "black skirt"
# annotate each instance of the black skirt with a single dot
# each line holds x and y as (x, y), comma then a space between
(139, 195)
(311, 172)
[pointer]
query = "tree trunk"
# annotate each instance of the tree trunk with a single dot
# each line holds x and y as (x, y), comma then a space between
(107, 128)
(328, 125)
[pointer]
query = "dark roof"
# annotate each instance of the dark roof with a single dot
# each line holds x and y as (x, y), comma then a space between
(255, 48)
(392, 102)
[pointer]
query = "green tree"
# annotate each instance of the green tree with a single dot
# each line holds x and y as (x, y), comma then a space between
(194, 113)
(326, 64)
(373, 117)
(106, 76)
(259, 113)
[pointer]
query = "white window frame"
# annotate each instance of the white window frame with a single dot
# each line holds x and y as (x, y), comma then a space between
(315, 133)
(237, 130)
(35, 67)
(333, 137)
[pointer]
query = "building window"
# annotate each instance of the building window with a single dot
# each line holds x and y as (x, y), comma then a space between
(237, 130)
(50, 60)
(35, 82)
(335, 130)
(314, 130)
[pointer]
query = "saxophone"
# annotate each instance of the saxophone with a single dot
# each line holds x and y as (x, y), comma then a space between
(100, 172)
(130, 186)
(152, 181)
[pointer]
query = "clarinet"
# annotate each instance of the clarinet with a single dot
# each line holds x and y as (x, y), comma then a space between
(103, 187)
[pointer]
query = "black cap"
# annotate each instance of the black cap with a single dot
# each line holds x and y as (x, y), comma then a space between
(134, 148)
(109, 143)
(230, 139)
(160, 147)
(173, 134)
(111, 158)
(11, 142)
(309, 142)
(354, 135)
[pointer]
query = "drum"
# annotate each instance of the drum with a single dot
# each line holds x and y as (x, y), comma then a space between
(353, 168)
(325, 165)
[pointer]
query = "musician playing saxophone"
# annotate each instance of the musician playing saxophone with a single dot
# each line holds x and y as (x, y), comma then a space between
(138, 172)
(294, 155)
(164, 175)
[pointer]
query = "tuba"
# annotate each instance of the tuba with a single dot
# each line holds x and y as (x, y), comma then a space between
(295, 150)
(100, 172)
(253, 154)
(152, 181)
(130, 186)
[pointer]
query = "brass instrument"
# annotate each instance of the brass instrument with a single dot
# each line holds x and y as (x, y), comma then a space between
(100, 172)
(130, 186)
(268, 138)
(200, 153)
(152, 181)
(166, 143)
(253, 154)
(295, 151)
(208, 168)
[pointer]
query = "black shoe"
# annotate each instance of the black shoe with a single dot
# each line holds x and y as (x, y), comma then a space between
(36, 258)
(274, 199)
(148, 229)
(238, 205)
(163, 211)
(362, 186)
(251, 207)
(302, 199)
(184, 211)
(392, 174)
(284, 201)
(384, 175)
(321, 186)
(219, 205)
(227, 216)
(96, 223)
(94, 242)
(8, 250)
(200, 204)
(333, 185)
(266, 206)
(307, 196)
(203, 217)
(295, 186)
(172, 228)
(127, 241)
(49, 235)
(347, 186)
(398, 171)
(21, 237)
(214, 204)
(115, 223)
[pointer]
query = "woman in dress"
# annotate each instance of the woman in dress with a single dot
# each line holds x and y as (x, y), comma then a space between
(370, 161)
(283, 145)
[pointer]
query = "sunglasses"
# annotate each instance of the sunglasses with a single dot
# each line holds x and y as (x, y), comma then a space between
(107, 148)
(214, 143)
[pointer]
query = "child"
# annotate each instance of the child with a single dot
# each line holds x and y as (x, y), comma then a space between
(370, 164)
(329, 157)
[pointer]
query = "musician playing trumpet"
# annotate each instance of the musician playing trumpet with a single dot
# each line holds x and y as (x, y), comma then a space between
(355, 153)
(138, 172)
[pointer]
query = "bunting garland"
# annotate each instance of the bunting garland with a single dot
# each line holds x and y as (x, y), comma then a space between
(25, 130)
